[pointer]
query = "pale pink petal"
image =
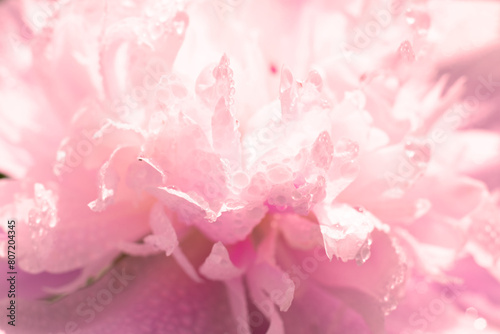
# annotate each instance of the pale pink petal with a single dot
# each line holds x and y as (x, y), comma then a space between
(218, 265)
(346, 231)
(164, 236)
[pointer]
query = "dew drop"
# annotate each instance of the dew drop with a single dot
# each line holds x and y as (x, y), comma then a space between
(418, 20)
(364, 252)
(296, 195)
(410, 17)
(180, 23)
(338, 231)
(52, 220)
(315, 79)
(406, 51)
(322, 150)
(360, 209)
(422, 206)
(419, 154)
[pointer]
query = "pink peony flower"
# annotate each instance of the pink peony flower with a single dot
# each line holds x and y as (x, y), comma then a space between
(232, 166)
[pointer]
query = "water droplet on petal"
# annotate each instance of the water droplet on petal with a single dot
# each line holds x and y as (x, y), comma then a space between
(364, 252)
(315, 79)
(359, 209)
(405, 51)
(296, 195)
(322, 150)
(422, 206)
(180, 23)
(420, 21)
(418, 153)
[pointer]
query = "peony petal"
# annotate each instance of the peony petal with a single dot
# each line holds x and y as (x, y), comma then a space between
(164, 236)
(218, 265)
(137, 295)
(381, 277)
(346, 232)
(334, 311)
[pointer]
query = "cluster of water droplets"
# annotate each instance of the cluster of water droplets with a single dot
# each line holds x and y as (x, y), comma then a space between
(215, 82)
(406, 51)
(44, 212)
(301, 181)
(364, 251)
(364, 247)
(322, 151)
(289, 183)
(224, 83)
(346, 231)
(297, 97)
(346, 153)
(418, 19)
(41, 219)
(164, 18)
(394, 288)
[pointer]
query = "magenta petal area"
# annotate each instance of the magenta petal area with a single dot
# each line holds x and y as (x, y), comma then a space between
(335, 311)
(138, 295)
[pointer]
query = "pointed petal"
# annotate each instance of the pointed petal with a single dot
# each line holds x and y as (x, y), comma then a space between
(218, 265)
